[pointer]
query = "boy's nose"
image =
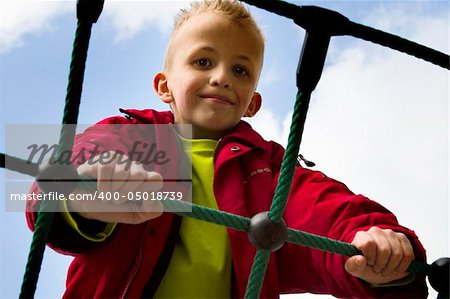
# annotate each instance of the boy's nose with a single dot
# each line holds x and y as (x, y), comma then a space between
(221, 78)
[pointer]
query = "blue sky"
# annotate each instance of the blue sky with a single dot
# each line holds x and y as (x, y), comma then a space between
(378, 120)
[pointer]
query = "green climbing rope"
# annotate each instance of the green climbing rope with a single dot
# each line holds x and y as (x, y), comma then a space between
(256, 279)
(207, 214)
(36, 254)
(338, 247)
(45, 219)
(290, 157)
(297, 237)
(74, 87)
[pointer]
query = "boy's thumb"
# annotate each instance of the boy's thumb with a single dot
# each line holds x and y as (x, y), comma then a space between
(355, 264)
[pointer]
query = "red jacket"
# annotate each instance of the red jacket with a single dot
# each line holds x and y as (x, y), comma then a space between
(132, 261)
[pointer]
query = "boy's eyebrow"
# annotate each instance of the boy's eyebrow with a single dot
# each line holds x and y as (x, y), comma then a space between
(211, 49)
(207, 48)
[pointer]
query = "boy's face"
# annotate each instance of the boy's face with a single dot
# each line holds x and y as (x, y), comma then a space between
(212, 73)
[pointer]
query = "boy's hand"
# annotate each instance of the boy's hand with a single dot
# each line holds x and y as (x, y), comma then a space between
(386, 256)
(118, 180)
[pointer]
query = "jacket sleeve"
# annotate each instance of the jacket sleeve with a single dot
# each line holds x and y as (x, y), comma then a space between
(323, 206)
(64, 237)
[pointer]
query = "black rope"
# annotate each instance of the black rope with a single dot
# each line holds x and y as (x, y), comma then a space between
(19, 165)
(281, 8)
(74, 86)
(314, 19)
(332, 23)
(400, 44)
(42, 229)
(88, 12)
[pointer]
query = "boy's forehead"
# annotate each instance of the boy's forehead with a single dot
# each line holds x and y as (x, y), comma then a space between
(209, 21)
(207, 25)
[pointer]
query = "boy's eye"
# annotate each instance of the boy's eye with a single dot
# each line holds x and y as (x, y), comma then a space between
(203, 62)
(240, 70)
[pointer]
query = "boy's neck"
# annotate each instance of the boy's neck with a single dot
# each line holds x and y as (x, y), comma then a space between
(197, 133)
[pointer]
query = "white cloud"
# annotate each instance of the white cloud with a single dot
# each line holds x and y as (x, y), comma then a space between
(130, 17)
(270, 75)
(127, 18)
(271, 126)
(19, 18)
(378, 121)
(413, 23)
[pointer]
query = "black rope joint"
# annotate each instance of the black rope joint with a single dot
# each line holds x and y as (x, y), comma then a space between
(89, 10)
(438, 275)
(312, 60)
(318, 19)
(264, 233)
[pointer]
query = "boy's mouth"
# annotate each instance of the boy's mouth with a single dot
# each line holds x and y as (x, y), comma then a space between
(217, 98)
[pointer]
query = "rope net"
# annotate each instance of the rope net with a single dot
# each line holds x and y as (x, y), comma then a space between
(320, 24)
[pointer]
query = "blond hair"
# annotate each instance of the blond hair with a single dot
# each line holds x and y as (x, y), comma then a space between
(234, 10)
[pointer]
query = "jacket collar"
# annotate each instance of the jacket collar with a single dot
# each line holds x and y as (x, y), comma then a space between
(242, 132)
(149, 116)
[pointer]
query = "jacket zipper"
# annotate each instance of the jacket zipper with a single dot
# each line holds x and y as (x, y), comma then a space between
(215, 151)
(139, 262)
(140, 253)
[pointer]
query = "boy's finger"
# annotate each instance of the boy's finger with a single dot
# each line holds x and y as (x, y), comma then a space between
(152, 206)
(355, 265)
(121, 175)
(408, 254)
(87, 170)
(364, 242)
(396, 255)
(142, 211)
(131, 212)
(154, 181)
(383, 250)
(104, 176)
(136, 176)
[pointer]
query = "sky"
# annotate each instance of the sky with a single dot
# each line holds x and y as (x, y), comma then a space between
(378, 119)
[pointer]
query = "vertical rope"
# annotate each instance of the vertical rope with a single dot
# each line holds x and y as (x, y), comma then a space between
(74, 86)
(36, 254)
(290, 157)
(256, 278)
(45, 218)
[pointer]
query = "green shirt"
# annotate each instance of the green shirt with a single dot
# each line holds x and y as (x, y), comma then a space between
(201, 263)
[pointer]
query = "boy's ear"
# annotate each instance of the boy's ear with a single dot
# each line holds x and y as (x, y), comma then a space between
(161, 87)
(254, 106)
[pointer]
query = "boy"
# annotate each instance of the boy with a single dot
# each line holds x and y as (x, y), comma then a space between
(211, 71)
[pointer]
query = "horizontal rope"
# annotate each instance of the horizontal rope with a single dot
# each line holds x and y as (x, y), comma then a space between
(44, 220)
(400, 44)
(192, 210)
(338, 247)
(242, 224)
(17, 164)
(207, 214)
(318, 19)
